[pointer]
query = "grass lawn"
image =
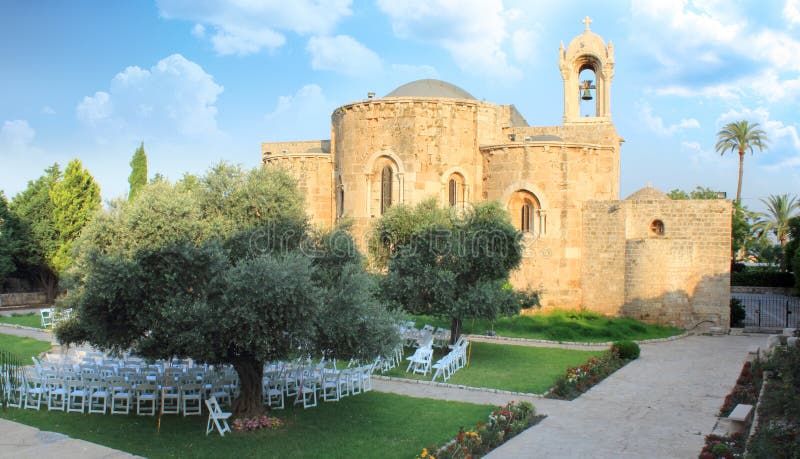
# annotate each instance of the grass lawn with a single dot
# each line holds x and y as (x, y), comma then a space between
(24, 348)
(514, 368)
(28, 320)
(367, 425)
(560, 326)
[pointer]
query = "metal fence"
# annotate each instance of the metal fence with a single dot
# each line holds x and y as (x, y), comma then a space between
(770, 311)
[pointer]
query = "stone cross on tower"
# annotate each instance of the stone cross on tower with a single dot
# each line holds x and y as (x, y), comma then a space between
(587, 20)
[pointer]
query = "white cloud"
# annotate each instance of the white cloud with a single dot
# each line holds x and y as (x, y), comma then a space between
(697, 154)
(48, 110)
(704, 41)
(293, 114)
(768, 85)
(525, 43)
(249, 26)
(656, 124)
(16, 136)
(472, 31)
(792, 12)
(199, 31)
(342, 54)
(175, 95)
(776, 130)
(94, 108)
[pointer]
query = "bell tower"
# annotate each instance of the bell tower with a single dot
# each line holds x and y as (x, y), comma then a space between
(587, 67)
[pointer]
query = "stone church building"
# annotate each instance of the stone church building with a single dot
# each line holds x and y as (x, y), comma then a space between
(646, 256)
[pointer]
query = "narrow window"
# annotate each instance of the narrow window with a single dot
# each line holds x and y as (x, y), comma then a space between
(657, 228)
(386, 189)
(453, 189)
(526, 220)
(340, 202)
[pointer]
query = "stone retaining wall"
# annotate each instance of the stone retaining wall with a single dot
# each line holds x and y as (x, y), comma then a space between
(788, 291)
(23, 299)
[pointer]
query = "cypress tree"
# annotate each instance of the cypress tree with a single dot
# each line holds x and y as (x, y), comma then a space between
(138, 177)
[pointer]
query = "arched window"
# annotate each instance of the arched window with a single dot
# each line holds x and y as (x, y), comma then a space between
(657, 228)
(526, 217)
(452, 188)
(386, 189)
(526, 213)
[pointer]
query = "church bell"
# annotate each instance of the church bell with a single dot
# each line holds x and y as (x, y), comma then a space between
(587, 95)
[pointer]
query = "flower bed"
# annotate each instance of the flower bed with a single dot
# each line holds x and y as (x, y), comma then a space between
(727, 447)
(581, 378)
(255, 423)
(504, 423)
(746, 389)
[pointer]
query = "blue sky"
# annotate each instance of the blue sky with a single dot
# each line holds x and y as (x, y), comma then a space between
(201, 81)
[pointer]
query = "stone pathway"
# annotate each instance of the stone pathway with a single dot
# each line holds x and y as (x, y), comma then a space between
(661, 405)
(19, 441)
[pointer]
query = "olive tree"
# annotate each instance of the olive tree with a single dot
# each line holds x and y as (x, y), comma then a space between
(239, 287)
(459, 269)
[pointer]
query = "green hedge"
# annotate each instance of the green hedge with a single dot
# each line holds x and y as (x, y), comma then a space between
(762, 279)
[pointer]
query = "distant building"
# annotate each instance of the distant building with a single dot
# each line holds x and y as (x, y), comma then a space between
(646, 257)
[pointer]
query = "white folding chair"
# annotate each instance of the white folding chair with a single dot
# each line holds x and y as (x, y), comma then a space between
(98, 396)
(47, 317)
(191, 399)
(146, 399)
(121, 396)
(217, 416)
(56, 395)
(76, 396)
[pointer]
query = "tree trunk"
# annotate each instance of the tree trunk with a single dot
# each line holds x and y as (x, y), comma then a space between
(741, 170)
(455, 329)
(49, 282)
(249, 401)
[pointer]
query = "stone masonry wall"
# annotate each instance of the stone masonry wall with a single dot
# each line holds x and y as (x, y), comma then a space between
(314, 174)
(680, 277)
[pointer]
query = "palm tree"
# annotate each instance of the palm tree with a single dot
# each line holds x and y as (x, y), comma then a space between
(741, 136)
(780, 209)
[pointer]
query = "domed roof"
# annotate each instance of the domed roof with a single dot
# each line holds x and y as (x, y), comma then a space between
(648, 193)
(430, 88)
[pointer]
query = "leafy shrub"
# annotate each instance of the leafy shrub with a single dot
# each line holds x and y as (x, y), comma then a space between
(738, 313)
(762, 278)
(626, 349)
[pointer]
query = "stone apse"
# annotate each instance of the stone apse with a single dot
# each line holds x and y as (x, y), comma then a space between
(647, 257)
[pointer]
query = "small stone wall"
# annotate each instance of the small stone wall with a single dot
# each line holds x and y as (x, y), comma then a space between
(23, 299)
(787, 291)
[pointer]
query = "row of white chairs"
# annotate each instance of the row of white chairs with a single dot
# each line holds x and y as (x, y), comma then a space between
(52, 316)
(452, 361)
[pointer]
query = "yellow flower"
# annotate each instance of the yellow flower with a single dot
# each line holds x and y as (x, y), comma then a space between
(424, 452)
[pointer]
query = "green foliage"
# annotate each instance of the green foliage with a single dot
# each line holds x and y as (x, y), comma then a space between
(738, 313)
(626, 349)
(775, 221)
(75, 198)
(35, 209)
(740, 137)
(779, 410)
(458, 270)
(762, 278)
(698, 193)
(742, 238)
(397, 226)
(222, 270)
(10, 239)
(792, 247)
(138, 177)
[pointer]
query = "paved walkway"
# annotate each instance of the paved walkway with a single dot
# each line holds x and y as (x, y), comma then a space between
(661, 405)
(19, 441)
